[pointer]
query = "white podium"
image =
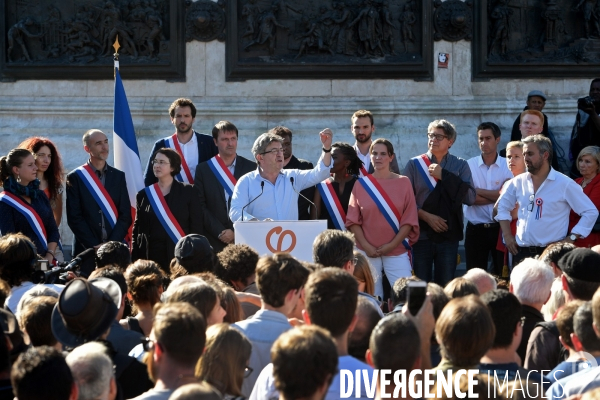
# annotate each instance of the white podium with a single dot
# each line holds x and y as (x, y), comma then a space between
(268, 237)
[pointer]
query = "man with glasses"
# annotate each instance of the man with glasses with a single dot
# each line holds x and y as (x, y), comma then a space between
(544, 198)
(290, 161)
(441, 183)
(278, 188)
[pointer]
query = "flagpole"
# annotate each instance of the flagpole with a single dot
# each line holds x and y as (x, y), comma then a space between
(116, 46)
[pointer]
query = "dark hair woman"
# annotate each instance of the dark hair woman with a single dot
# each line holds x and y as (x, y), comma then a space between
(166, 211)
(50, 171)
(23, 206)
(337, 188)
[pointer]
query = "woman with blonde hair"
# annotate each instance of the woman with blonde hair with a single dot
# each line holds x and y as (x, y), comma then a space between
(224, 363)
(144, 286)
(588, 165)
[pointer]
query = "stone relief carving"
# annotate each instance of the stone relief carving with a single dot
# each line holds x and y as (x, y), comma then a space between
(327, 32)
(205, 21)
(80, 33)
(536, 38)
(453, 20)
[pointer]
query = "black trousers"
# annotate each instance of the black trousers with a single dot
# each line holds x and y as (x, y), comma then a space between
(527, 252)
(480, 243)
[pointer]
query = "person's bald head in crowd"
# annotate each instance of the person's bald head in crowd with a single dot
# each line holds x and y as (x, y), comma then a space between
(484, 281)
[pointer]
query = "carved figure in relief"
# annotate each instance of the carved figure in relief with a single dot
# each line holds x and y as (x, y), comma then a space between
(388, 28)
(500, 17)
(407, 20)
(591, 16)
(266, 32)
(552, 17)
(369, 29)
(340, 15)
(153, 22)
(17, 33)
(251, 12)
(312, 38)
(113, 26)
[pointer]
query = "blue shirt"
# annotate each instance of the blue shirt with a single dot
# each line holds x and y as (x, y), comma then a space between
(278, 201)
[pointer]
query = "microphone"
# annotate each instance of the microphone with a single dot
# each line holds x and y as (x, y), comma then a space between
(300, 194)
(262, 189)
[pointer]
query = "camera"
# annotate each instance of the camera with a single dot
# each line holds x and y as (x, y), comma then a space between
(585, 102)
(56, 274)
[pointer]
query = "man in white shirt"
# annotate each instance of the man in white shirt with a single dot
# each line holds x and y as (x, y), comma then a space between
(488, 171)
(544, 198)
(362, 129)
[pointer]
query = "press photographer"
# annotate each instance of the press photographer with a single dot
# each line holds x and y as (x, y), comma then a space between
(18, 262)
(586, 131)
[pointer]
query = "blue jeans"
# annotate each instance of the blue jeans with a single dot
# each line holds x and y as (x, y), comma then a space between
(427, 254)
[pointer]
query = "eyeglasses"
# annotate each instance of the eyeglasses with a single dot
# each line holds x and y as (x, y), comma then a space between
(437, 137)
(355, 261)
(273, 151)
(149, 344)
(247, 372)
(160, 162)
(523, 321)
(530, 206)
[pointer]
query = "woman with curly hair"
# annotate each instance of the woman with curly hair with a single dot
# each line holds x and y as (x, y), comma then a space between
(144, 286)
(49, 172)
(337, 188)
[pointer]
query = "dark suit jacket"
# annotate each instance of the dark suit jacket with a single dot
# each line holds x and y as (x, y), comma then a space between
(183, 203)
(212, 199)
(303, 205)
(206, 151)
(84, 215)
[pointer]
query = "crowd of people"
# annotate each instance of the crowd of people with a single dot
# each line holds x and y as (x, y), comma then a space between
(212, 319)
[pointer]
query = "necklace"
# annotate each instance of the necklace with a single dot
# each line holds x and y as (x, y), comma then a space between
(584, 183)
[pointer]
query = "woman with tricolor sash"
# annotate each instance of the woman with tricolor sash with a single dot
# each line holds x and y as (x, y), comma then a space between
(23, 206)
(382, 214)
(333, 196)
(166, 211)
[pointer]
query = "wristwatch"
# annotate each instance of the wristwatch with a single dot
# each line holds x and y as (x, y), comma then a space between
(573, 237)
(326, 150)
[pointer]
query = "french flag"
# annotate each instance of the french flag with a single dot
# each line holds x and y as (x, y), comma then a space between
(127, 156)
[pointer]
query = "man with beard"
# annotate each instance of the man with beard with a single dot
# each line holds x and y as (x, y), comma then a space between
(586, 131)
(193, 147)
(362, 129)
(544, 198)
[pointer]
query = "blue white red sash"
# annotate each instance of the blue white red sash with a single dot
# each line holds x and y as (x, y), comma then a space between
(422, 163)
(163, 213)
(333, 205)
(30, 215)
(385, 205)
(224, 176)
(99, 193)
(185, 175)
(362, 171)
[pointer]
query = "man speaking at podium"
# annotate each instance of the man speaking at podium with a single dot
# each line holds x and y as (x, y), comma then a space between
(271, 192)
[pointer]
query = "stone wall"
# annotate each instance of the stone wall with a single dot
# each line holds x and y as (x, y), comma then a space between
(63, 110)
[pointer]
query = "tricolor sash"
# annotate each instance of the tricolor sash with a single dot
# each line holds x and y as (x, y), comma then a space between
(333, 205)
(185, 175)
(385, 205)
(363, 171)
(222, 173)
(163, 213)
(422, 163)
(30, 215)
(99, 193)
